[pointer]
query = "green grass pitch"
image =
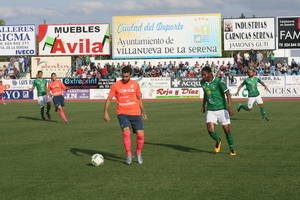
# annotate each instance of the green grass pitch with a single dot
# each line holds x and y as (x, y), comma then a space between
(51, 160)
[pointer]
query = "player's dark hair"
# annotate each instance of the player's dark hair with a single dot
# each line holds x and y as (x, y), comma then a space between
(206, 69)
(40, 71)
(53, 74)
(127, 69)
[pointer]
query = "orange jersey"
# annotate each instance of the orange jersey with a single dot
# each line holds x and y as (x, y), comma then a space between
(56, 88)
(127, 97)
(2, 89)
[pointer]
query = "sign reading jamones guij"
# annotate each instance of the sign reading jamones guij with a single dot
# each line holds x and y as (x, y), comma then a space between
(17, 40)
(288, 32)
(197, 35)
(74, 39)
(247, 34)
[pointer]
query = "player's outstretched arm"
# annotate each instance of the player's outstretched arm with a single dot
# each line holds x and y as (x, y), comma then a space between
(265, 86)
(106, 116)
(238, 90)
(229, 102)
(203, 108)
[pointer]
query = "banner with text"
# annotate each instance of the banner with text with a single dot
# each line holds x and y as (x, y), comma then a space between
(48, 65)
(17, 40)
(195, 35)
(247, 34)
(74, 39)
(288, 32)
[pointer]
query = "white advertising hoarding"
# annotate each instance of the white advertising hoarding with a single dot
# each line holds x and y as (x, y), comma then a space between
(159, 36)
(74, 39)
(17, 40)
(48, 65)
(247, 34)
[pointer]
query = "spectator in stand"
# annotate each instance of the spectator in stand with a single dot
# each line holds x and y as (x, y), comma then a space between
(271, 58)
(253, 57)
(79, 72)
(27, 64)
(21, 64)
(104, 72)
(259, 57)
(246, 59)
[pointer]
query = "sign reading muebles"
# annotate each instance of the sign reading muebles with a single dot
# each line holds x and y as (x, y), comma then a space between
(74, 39)
(247, 34)
(288, 32)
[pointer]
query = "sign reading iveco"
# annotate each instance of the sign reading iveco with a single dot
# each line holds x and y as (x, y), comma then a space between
(288, 32)
(186, 82)
(18, 40)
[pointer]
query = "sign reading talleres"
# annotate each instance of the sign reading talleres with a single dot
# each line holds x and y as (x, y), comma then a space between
(247, 34)
(79, 39)
(288, 32)
(18, 40)
(167, 36)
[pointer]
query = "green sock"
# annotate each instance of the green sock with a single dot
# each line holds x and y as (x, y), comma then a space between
(262, 111)
(42, 112)
(229, 139)
(48, 107)
(244, 107)
(215, 136)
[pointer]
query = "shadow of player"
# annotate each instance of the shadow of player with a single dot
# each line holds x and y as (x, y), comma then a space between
(180, 147)
(106, 155)
(35, 119)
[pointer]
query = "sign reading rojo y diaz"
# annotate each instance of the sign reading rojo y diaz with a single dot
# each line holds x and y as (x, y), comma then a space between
(247, 34)
(48, 65)
(288, 32)
(17, 40)
(159, 36)
(74, 39)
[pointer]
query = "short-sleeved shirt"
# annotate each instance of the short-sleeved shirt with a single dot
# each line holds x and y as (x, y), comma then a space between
(126, 95)
(41, 86)
(251, 86)
(56, 88)
(214, 93)
(1, 89)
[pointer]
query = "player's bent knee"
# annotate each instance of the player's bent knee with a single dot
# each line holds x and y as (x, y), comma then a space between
(140, 132)
(126, 129)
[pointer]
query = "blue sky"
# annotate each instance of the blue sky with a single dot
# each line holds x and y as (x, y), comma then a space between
(101, 11)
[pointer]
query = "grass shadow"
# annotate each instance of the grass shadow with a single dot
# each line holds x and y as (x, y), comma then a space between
(180, 148)
(35, 119)
(89, 152)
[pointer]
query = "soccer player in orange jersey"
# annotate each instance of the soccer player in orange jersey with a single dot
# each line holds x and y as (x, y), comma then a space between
(2, 92)
(130, 111)
(56, 88)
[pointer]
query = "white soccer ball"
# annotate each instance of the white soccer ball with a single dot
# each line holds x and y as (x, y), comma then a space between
(97, 159)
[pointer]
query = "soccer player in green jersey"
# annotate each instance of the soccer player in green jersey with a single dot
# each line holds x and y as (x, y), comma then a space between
(216, 108)
(43, 99)
(253, 94)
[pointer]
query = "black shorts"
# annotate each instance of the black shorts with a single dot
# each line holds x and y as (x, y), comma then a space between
(59, 101)
(131, 121)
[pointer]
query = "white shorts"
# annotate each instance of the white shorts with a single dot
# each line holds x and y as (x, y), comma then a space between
(42, 100)
(219, 116)
(252, 100)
